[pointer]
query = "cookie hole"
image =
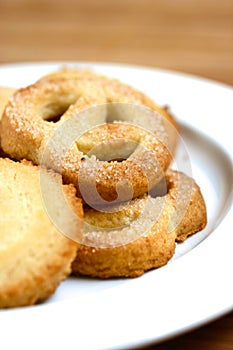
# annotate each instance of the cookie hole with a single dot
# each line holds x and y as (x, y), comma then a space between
(117, 150)
(55, 118)
(120, 160)
(159, 190)
(53, 112)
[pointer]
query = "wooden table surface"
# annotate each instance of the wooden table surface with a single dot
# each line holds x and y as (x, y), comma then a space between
(193, 36)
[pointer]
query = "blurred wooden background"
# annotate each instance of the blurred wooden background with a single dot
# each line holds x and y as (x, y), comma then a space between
(192, 36)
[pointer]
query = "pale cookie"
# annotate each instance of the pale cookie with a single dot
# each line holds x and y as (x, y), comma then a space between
(34, 256)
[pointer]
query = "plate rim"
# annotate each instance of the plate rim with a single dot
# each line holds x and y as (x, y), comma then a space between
(117, 64)
(212, 238)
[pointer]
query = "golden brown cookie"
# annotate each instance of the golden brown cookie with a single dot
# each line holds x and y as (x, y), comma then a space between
(35, 127)
(141, 234)
(35, 256)
(119, 91)
(190, 214)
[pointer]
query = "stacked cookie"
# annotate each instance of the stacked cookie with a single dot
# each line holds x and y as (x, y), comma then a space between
(86, 184)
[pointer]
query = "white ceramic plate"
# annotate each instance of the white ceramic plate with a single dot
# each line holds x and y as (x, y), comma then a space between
(196, 286)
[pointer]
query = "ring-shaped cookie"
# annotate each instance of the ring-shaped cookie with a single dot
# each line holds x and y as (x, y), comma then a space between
(171, 217)
(26, 130)
(116, 91)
